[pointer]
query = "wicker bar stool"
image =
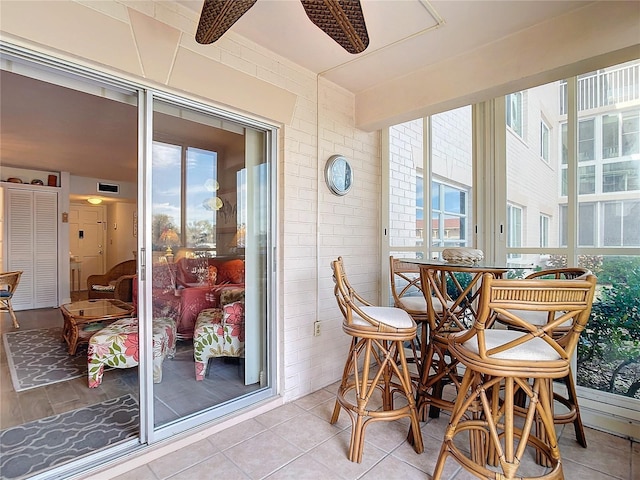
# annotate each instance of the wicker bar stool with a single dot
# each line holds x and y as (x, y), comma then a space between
(500, 362)
(407, 293)
(570, 402)
(456, 287)
(376, 361)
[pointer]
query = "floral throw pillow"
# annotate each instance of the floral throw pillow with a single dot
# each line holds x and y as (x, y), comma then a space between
(233, 318)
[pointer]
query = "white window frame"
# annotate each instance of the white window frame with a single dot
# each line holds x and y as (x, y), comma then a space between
(545, 222)
(514, 228)
(515, 113)
(545, 141)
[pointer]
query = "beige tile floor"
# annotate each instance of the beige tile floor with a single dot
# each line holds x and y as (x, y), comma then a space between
(296, 441)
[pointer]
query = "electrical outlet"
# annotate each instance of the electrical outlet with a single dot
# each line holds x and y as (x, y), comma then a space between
(316, 328)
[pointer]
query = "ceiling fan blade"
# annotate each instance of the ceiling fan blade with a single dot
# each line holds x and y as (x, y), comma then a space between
(342, 20)
(218, 16)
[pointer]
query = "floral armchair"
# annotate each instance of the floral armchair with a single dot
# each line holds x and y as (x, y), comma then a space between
(219, 332)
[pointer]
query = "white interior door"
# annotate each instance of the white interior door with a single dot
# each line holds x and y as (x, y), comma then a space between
(87, 239)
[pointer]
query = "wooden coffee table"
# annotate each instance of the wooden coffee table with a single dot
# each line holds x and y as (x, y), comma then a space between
(83, 319)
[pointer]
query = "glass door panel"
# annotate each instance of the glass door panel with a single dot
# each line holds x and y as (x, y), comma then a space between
(209, 261)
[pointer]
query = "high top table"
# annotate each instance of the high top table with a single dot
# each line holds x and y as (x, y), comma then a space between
(84, 318)
(452, 303)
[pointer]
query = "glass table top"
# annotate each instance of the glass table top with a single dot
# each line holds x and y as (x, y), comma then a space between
(103, 308)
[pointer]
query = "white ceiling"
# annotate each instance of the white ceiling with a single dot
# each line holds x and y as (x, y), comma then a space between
(405, 35)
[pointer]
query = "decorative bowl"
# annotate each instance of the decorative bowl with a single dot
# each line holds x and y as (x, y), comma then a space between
(462, 255)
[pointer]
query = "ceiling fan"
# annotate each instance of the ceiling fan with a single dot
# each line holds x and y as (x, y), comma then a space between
(342, 20)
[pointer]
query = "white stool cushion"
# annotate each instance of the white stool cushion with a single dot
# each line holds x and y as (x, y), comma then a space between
(415, 304)
(533, 350)
(392, 316)
(419, 304)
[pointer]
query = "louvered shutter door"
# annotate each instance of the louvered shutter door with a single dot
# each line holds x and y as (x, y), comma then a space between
(32, 246)
(20, 244)
(45, 249)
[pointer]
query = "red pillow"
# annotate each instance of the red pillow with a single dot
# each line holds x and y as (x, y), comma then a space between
(231, 271)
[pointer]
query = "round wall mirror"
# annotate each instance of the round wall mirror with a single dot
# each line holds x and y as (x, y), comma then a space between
(338, 175)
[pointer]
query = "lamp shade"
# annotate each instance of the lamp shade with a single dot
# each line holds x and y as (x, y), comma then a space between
(94, 200)
(169, 237)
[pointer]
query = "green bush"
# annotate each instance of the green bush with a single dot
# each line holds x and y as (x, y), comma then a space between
(612, 336)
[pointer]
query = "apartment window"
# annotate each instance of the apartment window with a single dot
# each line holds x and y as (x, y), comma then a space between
(545, 221)
(587, 225)
(544, 141)
(620, 224)
(448, 215)
(565, 145)
(621, 176)
(586, 180)
(610, 140)
(631, 133)
(514, 113)
(514, 228)
(586, 140)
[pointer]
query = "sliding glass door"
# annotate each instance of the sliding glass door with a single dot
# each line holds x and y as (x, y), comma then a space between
(195, 204)
(210, 219)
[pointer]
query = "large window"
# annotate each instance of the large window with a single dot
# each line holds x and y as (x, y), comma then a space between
(434, 186)
(533, 222)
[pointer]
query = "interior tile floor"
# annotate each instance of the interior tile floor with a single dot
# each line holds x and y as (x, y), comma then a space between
(296, 441)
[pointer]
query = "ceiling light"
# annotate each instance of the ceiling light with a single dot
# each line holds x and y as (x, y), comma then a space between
(94, 200)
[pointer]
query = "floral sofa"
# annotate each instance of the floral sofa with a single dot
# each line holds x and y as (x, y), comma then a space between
(181, 290)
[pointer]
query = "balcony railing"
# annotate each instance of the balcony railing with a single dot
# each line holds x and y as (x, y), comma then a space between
(604, 88)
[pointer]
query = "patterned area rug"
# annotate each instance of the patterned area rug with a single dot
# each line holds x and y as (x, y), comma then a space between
(51, 441)
(39, 357)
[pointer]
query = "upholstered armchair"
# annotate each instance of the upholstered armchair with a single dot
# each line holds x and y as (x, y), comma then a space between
(219, 332)
(118, 279)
